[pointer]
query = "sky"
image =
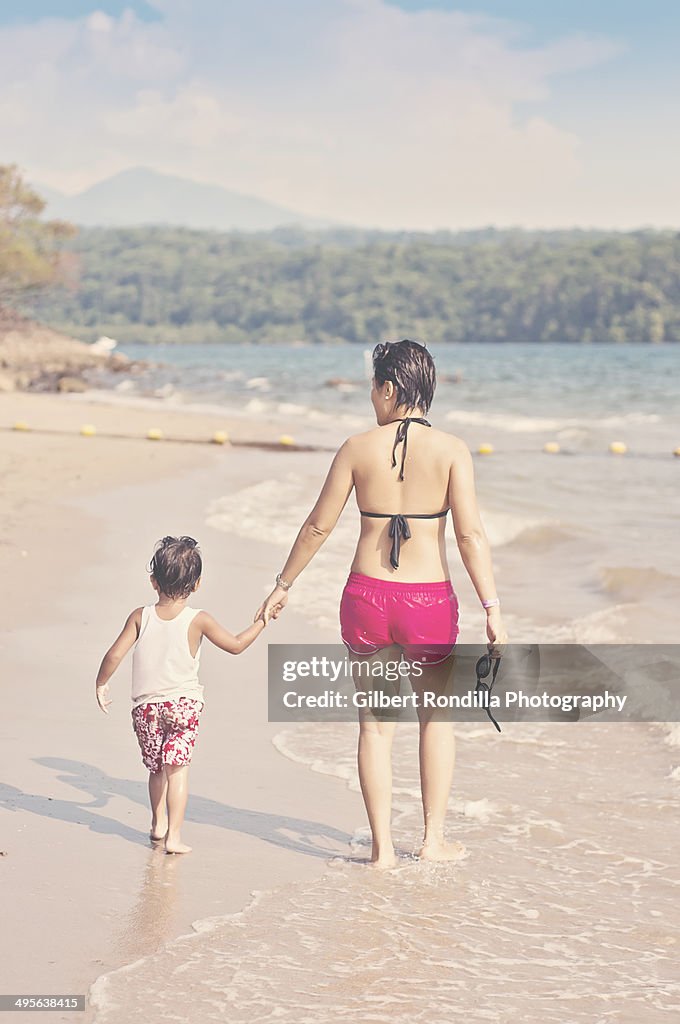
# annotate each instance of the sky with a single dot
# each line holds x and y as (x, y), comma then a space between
(418, 114)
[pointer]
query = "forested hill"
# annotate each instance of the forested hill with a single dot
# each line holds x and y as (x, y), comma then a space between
(170, 284)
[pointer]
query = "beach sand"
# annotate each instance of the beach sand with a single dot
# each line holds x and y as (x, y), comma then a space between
(80, 516)
(564, 910)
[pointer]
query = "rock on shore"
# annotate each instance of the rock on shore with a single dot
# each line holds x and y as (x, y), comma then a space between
(34, 357)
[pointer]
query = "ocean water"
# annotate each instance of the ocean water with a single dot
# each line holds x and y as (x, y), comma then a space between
(583, 393)
(564, 911)
(566, 908)
(585, 542)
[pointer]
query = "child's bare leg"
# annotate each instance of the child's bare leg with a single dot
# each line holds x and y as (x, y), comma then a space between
(178, 794)
(158, 794)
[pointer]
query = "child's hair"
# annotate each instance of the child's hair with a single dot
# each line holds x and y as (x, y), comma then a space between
(176, 566)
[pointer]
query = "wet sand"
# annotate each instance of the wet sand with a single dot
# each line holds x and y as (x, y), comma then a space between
(567, 894)
(83, 887)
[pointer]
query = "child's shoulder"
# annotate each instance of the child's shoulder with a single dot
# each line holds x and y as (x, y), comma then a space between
(135, 617)
(134, 620)
(203, 622)
(200, 616)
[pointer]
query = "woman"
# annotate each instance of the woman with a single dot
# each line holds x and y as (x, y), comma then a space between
(398, 598)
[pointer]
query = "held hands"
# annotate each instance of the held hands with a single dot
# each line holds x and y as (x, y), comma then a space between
(273, 606)
(103, 698)
(495, 632)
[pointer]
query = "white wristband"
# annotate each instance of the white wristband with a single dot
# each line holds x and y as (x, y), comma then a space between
(490, 604)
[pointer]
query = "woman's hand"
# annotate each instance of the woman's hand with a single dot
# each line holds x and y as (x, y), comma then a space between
(273, 606)
(495, 631)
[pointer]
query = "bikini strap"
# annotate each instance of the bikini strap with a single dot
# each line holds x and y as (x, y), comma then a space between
(402, 438)
(406, 515)
(399, 529)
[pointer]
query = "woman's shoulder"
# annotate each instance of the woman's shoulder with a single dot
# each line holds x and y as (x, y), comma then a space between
(359, 446)
(367, 438)
(446, 439)
(355, 440)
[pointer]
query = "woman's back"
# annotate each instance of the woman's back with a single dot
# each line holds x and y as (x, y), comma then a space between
(423, 491)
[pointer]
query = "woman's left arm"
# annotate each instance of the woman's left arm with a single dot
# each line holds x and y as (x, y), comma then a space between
(315, 529)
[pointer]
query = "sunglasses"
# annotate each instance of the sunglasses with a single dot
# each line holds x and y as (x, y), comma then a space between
(484, 666)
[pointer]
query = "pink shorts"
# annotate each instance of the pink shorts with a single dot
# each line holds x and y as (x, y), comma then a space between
(167, 731)
(422, 618)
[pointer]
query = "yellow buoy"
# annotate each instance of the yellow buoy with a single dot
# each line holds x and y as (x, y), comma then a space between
(551, 447)
(21, 425)
(618, 448)
(87, 430)
(154, 434)
(220, 437)
(485, 449)
(676, 451)
(286, 440)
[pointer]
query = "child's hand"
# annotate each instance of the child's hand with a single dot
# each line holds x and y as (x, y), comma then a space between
(103, 698)
(273, 606)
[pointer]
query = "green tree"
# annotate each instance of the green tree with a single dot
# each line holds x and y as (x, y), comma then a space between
(30, 255)
(175, 284)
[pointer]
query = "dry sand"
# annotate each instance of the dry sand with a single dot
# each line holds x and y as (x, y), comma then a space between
(52, 461)
(82, 888)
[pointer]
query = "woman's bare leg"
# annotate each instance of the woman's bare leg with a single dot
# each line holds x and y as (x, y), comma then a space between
(437, 753)
(374, 758)
(178, 794)
(437, 759)
(158, 794)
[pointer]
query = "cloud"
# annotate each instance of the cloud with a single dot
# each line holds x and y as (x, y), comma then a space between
(191, 117)
(350, 109)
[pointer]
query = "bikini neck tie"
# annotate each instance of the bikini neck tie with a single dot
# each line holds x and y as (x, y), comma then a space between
(402, 438)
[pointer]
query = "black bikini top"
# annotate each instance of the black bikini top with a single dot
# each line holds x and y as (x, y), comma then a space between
(399, 529)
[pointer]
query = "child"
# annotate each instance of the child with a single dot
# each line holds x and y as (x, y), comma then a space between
(167, 697)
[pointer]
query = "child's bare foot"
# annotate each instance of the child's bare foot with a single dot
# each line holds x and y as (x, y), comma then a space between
(159, 830)
(176, 846)
(441, 850)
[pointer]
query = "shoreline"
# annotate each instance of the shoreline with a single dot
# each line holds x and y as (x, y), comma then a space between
(128, 416)
(52, 460)
(80, 520)
(75, 784)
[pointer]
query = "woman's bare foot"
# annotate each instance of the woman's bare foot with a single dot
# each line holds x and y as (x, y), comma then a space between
(176, 846)
(156, 839)
(441, 850)
(383, 860)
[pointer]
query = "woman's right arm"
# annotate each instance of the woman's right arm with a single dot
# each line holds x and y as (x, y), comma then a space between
(316, 527)
(473, 543)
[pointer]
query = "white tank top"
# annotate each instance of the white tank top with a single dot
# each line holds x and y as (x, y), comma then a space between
(162, 665)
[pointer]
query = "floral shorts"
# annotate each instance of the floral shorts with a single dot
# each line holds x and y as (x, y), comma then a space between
(167, 732)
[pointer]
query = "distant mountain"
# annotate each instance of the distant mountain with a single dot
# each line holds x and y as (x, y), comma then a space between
(140, 196)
